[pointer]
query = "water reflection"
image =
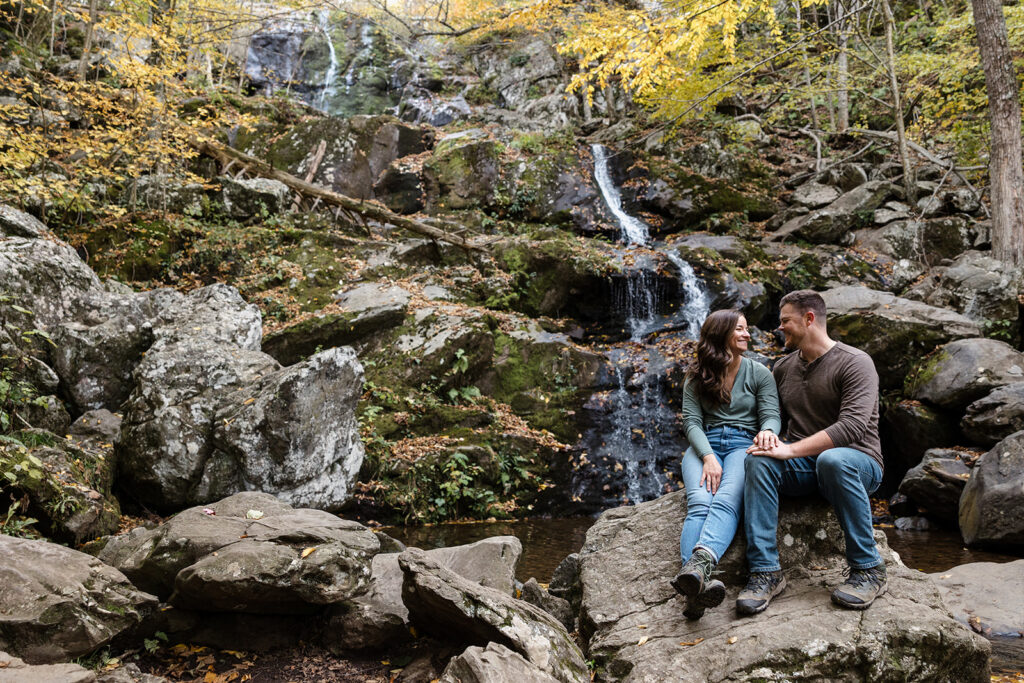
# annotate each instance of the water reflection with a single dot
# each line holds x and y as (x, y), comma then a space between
(546, 542)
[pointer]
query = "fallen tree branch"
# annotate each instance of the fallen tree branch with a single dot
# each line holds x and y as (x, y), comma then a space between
(365, 208)
(951, 165)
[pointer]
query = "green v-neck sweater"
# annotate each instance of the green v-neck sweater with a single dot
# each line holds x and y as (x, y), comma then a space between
(754, 407)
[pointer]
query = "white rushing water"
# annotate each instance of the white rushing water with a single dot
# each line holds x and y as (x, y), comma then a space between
(696, 304)
(332, 69)
(635, 434)
(634, 230)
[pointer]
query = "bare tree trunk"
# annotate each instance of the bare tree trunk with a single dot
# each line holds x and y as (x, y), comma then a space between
(843, 69)
(901, 136)
(807, 73)
(83, 63)
(1006, 176)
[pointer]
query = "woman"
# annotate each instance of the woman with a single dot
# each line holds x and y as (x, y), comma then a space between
(726, 399)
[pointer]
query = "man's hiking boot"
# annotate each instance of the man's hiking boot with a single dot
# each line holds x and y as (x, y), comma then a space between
(695, 573)
(861, 587)
(712, 596)
(761, 588)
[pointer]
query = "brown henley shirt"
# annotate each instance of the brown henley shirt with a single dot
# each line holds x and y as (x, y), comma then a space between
(836, 392)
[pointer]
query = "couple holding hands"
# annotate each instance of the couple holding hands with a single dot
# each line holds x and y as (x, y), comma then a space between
(826, 395)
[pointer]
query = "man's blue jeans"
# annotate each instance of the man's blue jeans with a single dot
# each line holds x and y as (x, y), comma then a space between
(845, 476)
(711, 520)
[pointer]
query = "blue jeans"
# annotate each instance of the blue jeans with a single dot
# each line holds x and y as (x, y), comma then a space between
(711, 519)
(845, 476)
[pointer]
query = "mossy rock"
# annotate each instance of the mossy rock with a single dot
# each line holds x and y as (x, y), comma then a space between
(68, 488)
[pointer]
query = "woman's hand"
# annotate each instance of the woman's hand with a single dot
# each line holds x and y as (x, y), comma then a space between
(711, 476)
(766, 439)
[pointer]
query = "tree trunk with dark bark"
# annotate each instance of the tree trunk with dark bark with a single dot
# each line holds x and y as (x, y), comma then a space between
(1007, 178)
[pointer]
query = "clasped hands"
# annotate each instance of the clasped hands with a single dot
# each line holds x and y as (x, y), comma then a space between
(767, 443)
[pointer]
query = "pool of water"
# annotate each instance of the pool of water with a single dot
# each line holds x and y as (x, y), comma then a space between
(547, 541)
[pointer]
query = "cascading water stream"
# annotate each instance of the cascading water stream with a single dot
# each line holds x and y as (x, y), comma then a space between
(637, 433)
(332, 68)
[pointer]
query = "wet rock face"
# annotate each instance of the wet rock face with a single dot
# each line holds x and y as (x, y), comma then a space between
(59, 604)
(968, 592)
(992, 504)
(245, 554)
(631, 553)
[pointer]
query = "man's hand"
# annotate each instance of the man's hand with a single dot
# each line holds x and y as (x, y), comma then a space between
(711, 476)
(766, 439)
(783, 451)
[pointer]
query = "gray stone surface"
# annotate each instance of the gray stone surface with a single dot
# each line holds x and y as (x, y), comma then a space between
(834, 222)
(987, 595)
(963, 371)
(380, 619)
(908, 429)
(452, 607)
(895, 332)
(493, 664)
(254, 197)
(975, 284)
(814, 195)
(927, 241)
(636, 631)
(992, 504)
(992, 418)
(15, 670)
(936, 483)
(16, 223)
(245, 554)
(57, 604)
(533, 593)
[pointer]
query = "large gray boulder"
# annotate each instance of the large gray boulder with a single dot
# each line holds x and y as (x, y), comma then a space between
(927, 241)
(248, 553)
(636, 630)
(442, 602)
(895, 332)
(210, 414)
(380, 619)
(16, 223)
(908, 429)
(254, 197)
(975, 284)
(834, 222)
(970, 592)
(965, 370)
(57, 604)
(936, 483)
(367, 310)
(992, 418)
(493, 664)
(44, 276)
(992, 504)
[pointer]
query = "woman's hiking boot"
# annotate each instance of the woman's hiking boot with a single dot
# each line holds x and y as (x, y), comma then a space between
(861, 587)
(761, 588)
(695, 582)
(695, 573)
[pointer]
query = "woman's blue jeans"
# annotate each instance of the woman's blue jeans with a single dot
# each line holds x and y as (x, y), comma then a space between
(845, 476)
(712, 519)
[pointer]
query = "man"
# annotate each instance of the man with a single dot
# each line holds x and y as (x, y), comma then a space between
(829, 397)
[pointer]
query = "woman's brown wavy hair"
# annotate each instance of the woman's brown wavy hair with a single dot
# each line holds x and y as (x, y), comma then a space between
(714, 356)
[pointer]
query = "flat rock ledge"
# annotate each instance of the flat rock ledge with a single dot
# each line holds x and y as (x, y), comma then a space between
(636, 631)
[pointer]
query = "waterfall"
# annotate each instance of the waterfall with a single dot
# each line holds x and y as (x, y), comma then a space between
(696, 304)
(332, 70)
(635, 438)
(634, 231)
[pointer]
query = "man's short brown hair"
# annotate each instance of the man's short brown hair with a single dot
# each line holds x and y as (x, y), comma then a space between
(804, 300)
